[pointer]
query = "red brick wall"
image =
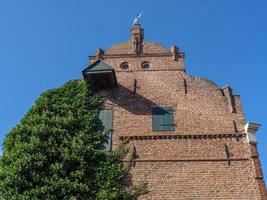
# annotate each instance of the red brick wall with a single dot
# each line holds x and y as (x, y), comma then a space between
(190, 162)
(196, 180)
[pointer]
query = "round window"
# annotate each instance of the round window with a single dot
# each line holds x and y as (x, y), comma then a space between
(145, 65)
(124, 65)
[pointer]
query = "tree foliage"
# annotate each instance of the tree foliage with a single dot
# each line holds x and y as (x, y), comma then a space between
(55, 151)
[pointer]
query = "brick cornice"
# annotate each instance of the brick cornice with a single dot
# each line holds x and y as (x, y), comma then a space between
(181, 54)
(182, 137)
(188, 160)
(149, 70)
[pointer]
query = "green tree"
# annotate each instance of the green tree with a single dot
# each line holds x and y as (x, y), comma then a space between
(55, 151)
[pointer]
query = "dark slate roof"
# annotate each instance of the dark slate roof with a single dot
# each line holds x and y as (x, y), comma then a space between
(97, 66)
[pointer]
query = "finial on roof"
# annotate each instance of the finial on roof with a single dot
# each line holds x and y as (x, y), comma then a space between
(137, 19)
(100, 53)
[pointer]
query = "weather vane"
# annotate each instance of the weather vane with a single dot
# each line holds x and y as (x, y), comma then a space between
(136, 20)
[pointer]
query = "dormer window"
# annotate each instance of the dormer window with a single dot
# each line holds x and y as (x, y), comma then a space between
(145, 65)
(124, 65)
(101, 75)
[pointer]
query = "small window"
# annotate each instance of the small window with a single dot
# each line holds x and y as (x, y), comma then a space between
(162, 119)
(124, 65)
(105, 125)
(145, 65)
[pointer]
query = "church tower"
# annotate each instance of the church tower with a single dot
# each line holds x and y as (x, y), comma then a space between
(190, 136)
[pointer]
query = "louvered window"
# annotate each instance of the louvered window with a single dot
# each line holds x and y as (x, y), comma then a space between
(105, 126)
(162, 119)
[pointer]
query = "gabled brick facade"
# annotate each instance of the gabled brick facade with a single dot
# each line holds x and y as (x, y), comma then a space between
(211, 154)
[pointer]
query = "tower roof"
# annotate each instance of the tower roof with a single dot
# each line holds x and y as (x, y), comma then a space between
(126, 48)
(136, 44)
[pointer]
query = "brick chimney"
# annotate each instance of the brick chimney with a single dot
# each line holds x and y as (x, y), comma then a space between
(137, 38)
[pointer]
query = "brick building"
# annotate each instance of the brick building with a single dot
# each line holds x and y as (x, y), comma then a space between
(190, 137)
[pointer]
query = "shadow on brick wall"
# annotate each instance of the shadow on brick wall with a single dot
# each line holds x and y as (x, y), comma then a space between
(131, 101)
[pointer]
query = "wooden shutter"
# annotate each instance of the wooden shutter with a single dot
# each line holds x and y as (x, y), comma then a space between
(162, 119)
(105, 117)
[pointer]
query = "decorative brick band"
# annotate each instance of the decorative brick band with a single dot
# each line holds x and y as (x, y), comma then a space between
(181, 54)
(141, 70)
(182, 137)
(190, 160)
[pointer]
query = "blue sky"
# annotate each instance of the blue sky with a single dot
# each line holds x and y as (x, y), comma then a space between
(43, 44)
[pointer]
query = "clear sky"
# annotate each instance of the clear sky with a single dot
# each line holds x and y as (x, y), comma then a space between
(43, 44)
